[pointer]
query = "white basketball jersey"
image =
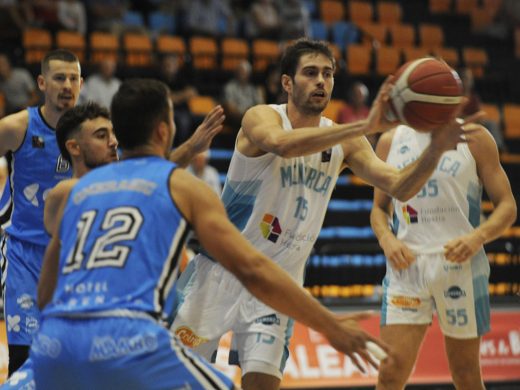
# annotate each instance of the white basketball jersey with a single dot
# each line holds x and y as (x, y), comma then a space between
(279, 203)
(449, 203)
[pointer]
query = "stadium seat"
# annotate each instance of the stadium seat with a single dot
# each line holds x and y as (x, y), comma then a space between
(333, 108)
(133, 19)
(465, 6)
(402, 35)
(103, 45)
(448, 54)
(476, 59)
(170, 44)
(336, 52)
(389, 13)
(492, 112)
(204, 52)
(138, 49)
(331, 11)
(73, 41)
(481, 18)
(344, 33)
(388, 59)
(233, 51)
(431, 35)
(319, 30)
(440, 6)
(358, 59)
(161, 22)
(512, 120)
(374, 32)
(201, 105)
(36, 43)
(264, 52)
(360, 12)
(413, 53)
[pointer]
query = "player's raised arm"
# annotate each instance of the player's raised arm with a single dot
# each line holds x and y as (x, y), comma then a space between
(261, 276)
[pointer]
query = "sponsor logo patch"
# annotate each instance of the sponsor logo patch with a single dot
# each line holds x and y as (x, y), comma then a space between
(270, 227)
(405, 302)
(188, 337)
(25, 301)
(271, 319)
(454, 292)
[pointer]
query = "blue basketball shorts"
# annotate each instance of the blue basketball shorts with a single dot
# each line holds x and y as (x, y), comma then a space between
(22, 379)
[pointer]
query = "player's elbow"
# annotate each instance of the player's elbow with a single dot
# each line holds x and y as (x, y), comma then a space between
(250, 271)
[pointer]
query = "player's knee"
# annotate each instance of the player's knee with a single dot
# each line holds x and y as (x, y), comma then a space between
(392, 374)
(466, 378)
(18, 354)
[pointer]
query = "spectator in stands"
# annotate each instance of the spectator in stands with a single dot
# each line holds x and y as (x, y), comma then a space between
(203, 17)
(296, 19)
(102, 86)
(106, 15)
(72, 15)
(356, 107)
(15, 16)
(272, 90)
(239, 95)
(473, 106)
(263, 20)
(17, 86)
(200, 168)
(178, 79)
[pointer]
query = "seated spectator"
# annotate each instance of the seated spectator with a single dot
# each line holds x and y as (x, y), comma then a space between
(15, 16)
(356, 107)
(264, 21)
(473, 106)
(106, 15)
(72, 15)
(272, 90)
(203, 17)
(200, 168)
(17, 85)
(296, 19)
(101, 86)
(178, 79)
(239, 95)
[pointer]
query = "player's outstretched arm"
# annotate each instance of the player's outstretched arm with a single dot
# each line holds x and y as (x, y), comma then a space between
(201, 138)
(260, 275)
(397, 253)
(53, 213)
(495, 181)
(12, 131)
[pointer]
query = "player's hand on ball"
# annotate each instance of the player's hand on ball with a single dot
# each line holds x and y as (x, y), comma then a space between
(356, 343)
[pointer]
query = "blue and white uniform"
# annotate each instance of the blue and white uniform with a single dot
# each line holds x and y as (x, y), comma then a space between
(34, 169)
(121, 236)
(279, 204)
(448, 206)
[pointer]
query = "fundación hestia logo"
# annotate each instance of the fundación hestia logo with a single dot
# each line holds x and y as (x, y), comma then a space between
(270, 227)
(409, 214)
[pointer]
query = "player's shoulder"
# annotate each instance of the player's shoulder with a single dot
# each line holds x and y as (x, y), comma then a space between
(62, 189)
(480, 141)
(16, 122)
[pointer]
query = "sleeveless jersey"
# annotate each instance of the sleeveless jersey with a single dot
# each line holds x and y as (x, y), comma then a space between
(449, 203)
(121, 235)
(34, 168)
(279, 203)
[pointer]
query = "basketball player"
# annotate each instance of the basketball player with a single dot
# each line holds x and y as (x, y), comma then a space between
(435, 255)
(35, 165)
(286, 162)
(109, 272)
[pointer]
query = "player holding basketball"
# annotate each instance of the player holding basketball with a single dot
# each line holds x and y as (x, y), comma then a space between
(286, 162)
(435, 255)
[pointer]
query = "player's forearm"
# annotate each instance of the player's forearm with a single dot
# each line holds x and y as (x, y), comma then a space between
(498, 222)
(183, 154)
(309, 140)
(379, 223)
(272, 285)
(414, 176)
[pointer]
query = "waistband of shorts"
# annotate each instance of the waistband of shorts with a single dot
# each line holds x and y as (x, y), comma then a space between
(116, 313)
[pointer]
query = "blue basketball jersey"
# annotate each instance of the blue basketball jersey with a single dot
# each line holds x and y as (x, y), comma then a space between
(121, 236)
(34, 168)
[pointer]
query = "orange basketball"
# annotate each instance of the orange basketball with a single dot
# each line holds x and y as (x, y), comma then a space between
(426, 94)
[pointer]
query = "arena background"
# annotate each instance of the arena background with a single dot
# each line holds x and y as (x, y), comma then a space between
(370, 40)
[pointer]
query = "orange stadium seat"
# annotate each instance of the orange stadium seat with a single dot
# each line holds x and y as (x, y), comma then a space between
(413, 53)
(234, 50)
(465, 6)
(170, 44)
(204, 52)
(332, 11)
(403, 35)
(431, 35)
(373, 32)
(201, 105)
(388, 59)
(36, 43)
(512, 120)
(492, 112)
(336, 52)
(265, 52)
(440, 6)
(103, 45)
(481, 18)
(476, 59)
(358, 59)
(360, 12)
(448, 54)
(73, 41)
(138, 49)
(389, 13)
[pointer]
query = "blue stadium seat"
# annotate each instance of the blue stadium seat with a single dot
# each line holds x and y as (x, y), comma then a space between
(133, 18)
(161, 22)
(319, 30)
(344, 34)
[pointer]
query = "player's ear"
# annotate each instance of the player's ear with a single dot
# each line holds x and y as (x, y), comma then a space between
(287, 83)
(73, 147)
(41, 82)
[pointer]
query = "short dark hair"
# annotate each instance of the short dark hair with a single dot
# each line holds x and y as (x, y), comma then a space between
(299, 48)
(138, 106)
(59, 54)
(70, 123)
